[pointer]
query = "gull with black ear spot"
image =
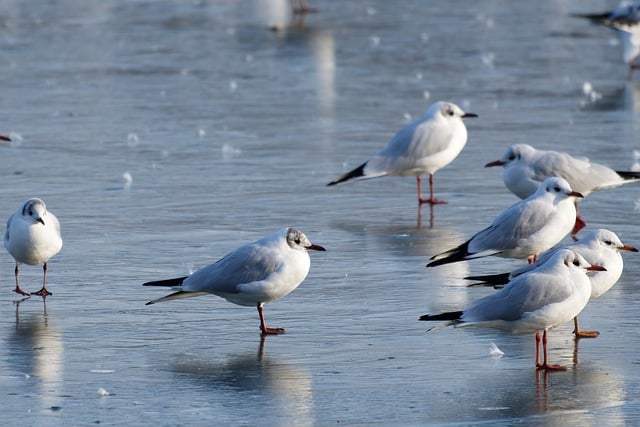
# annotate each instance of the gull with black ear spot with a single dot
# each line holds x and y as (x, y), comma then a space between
(252, 275)
(33, 237)
(524, 230)
(598, 247)
(545, 298)
(422, 147)
(525, 168)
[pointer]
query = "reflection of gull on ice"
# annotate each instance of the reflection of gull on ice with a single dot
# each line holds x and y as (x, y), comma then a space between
(36, 350)
(623, 97)
(592, 394)
(285, 389)
(316, 42)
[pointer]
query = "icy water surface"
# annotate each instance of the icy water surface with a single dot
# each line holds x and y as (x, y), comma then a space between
(165, 134)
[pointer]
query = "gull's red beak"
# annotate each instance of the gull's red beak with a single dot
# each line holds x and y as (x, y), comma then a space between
(494, 163)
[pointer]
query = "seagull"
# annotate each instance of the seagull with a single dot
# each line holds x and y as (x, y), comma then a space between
(252, 275)
(625, 19)
(547, 297)
(598, 247)
(525, 229)
(525, 168)
(422, 147)
(33, 237)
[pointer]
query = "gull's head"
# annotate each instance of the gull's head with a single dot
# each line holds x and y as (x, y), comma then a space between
(513, 154)
(448, 110)
(296, 239)
(610, 240)
(574, 261)
(558, 187)
(35, 209)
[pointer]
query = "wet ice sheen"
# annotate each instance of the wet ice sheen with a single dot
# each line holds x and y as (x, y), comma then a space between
(241, 113)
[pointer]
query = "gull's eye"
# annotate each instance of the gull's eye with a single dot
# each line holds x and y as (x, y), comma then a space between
(576, 262)
(556, 189)
(297, 241)
(608, 242)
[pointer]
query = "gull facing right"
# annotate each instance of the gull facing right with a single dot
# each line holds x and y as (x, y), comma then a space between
(524, 230)
(252, 275)
(547, 297)
(33, 237)
(598, 247)
(525, 168)
(422, 147)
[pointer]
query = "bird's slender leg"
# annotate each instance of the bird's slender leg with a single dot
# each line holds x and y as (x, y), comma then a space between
(538, 363)
(301, 7)
(579, 224)
(18, 290)
(545, 365)
(263, 325)
(43, 292)
(431, 200)
(632, 66)
(583, 334)
(533, 258)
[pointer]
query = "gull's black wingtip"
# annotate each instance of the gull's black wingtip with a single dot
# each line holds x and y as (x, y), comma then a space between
(169, 282)
(356, 173)
(452, 315)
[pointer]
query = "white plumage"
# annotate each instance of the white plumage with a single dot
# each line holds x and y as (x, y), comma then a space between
(33, 237)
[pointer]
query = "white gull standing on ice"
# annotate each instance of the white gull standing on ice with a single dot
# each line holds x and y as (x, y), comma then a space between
(598, 247)
(526, 167)
(422, 147)
(252, 275)
(545, 298)
(33, 237)
(524, 230)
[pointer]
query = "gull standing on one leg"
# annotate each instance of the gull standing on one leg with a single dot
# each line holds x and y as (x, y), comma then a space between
(252, 275)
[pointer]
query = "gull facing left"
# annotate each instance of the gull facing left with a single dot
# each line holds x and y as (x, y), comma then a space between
(252, 275)
(526, 167)
(547, 297)
(524, 230)
(422, 147)
(33, 237)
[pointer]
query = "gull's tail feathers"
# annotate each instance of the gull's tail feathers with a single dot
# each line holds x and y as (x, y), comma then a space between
(453, 318)
(177, 295)
(357, 173)
(629, 175)
(168, 282)
(452, 255)
(497, 281)
(451, 315)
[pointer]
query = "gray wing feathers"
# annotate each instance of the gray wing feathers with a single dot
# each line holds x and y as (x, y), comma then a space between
(246, 264)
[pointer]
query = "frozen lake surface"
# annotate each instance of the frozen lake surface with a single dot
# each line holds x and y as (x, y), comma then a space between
(165, 134)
